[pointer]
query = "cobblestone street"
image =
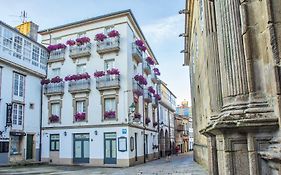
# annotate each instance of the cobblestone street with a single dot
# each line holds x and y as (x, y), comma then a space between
(179, 165)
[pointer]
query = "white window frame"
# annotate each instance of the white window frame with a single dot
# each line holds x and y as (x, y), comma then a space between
(27, 47)
(18, 86)
(18, 46)
(80, 106)
(35, 55)
(17, 116)
(56, 72)
(109, 64)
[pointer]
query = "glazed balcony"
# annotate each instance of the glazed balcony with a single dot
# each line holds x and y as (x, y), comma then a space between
(54, 89)
(57, 56)
(137, 88)
(137, 53)
(154, 102)
(147, 96)
(146, 68)
(108, 82)
(154, 78)
(111, 44)
(80, 51)
(79, 86)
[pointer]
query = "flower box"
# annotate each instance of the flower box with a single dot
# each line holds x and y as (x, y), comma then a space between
(113, 33)
(54, 118)
(80, 116)
(109, 114)
(77, 77)
(99, 74)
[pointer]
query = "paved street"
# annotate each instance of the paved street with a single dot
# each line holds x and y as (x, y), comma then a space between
(179, 165)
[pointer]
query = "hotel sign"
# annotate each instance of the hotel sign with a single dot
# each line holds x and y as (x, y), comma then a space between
(9, 114)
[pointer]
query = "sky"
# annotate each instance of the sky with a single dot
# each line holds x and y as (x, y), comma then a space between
(158, 19)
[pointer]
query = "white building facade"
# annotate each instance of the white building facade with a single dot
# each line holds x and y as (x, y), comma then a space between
(22, 66)
(96, 111)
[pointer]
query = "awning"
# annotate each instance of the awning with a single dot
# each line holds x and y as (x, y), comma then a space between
(13, 133)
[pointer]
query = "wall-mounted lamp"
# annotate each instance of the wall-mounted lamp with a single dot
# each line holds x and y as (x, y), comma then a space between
(183, 35)
(96, 132)
(65, 133)
(183, 11)
(184, 51)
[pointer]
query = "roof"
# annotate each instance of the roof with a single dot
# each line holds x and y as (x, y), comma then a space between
(16, 30)
(128, 11)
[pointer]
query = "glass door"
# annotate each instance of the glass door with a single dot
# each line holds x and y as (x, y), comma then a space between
(81, 148)
(110, 148)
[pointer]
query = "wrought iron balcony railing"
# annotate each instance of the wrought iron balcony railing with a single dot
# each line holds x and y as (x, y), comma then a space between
(137, 53)
(111, 44)
(137, 88)
(147, 96)
(54, 89)
(78, 51)
(146, 68)
(154, 78)
(57, 55)
(83, 85)
(108, 82)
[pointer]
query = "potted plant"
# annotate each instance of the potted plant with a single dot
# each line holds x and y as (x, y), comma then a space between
(56, 47)
(56, 79)
(157, 97)
(137, 117)
(156, 71)
(45, 81)
(77, 77)
(83, 40)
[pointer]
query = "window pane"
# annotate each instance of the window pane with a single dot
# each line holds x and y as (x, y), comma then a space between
(56, 72)
(17, 47)
(21, 84)
(15, 114)
(80, 106)
(16, 84)
(27, 51)
(7, 41)
(20, 114)
(55, 109)
(109, 64)
(81, 68)
(35, 55)
(57, 145)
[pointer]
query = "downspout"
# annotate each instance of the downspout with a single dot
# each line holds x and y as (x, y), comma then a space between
(41, 116)
(158, 126)
(143, 112)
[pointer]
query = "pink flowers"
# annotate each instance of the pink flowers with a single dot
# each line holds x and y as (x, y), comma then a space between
(142, 48)
(45, 81)
(56, 79)
(149, 60)
(151, 90)
(147, 120)
(140, 79)
(70, 42)
(80, 116)
(83, 40)
(77, 77)
(56, 47)
(156, 71)
(100, 37)
(141, 45)
(113, 71)
(113, 33)
(157, 97)
(99, 74)
(109, 114)
(54, 118)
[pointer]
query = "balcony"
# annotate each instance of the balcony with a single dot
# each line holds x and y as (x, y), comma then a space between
(108, 82)
(79, 86)
(154, 102)
(57, 56)
(108, 45)
(80, 51)
(137, 53)
(137, 88)
(146, 68)
(54, 89)
(154, 78)
(147, 96)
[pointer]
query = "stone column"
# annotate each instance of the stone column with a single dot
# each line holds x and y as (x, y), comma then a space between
(232, 57)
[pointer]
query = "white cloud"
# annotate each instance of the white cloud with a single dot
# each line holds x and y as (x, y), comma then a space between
(165, 29)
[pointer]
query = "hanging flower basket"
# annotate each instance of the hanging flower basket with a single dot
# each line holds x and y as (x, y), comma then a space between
(151, 90)
(83, 40)
(149, 60)
(100, 37)
(70, 42)
(99, 74)
(77, 77)
(147, 120)
(109, 114)
(80, 116)
(113, 33)
(54, 118)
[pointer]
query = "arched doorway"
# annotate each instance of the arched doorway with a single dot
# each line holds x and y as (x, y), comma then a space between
(162, 143)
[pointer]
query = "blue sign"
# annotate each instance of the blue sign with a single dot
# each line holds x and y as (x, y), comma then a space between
(124, 131)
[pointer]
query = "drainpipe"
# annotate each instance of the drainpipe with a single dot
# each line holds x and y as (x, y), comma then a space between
(41, 115)
(143, 112)
(158, 120)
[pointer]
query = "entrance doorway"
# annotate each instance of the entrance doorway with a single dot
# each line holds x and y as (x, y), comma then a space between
(29, 146)
(136, 146)
(81, 148)
(110, 148)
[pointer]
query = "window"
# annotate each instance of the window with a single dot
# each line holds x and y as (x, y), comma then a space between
(56, 40)
(81, 34)
(18, 85)
(153, 115)
(81, 68)
(146, 110)
(55, 72)
(109, 64)
(109, 104)
(43, 59)
(17, 47)
(55, 109)
(7, 41)
(54, 142)
(80, 106)
(108, 29)
(4, 147)
(15, 145)
(35, 55)
(26, 51)
(17, 114)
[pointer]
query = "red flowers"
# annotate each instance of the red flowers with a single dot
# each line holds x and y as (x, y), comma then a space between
(80, 116)
(113, 33)
(99, 74)
(56, 79)
(54, 118)
(77, 77)
(70, 42)
(113, 71)
(140, 79)
(151, 90)
(150, 60)
(141, 45)
(109, 114)
(56, 47)
(100, 37)
(83, 40)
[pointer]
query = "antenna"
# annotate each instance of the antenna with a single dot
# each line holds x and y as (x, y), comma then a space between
(23, 16)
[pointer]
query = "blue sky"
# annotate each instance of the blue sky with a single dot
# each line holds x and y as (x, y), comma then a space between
(159, 20)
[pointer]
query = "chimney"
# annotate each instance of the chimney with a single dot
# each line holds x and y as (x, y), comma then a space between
(29, 29)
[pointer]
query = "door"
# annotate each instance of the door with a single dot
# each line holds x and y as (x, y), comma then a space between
(146, 145)
(136, 147)
(81, 148)
(110, 148)
(29, 146)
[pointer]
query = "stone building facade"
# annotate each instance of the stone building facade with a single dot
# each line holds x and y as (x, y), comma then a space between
(233, 48)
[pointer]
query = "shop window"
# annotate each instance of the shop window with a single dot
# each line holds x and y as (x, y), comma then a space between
(4, 147)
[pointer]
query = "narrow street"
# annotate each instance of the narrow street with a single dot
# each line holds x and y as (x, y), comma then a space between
(179, 165)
